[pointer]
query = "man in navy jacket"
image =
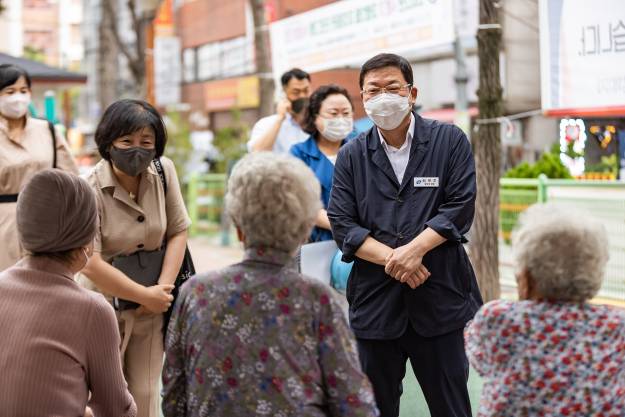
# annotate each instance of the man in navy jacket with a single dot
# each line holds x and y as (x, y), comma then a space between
(403, 198)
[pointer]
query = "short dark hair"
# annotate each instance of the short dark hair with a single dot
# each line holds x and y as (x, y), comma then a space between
(9, 74)
(294, 73)
(387, 60)
(125, 117)
(316, 99)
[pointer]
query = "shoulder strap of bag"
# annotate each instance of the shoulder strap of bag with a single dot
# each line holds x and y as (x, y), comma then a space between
(161, 173)
(53, 134)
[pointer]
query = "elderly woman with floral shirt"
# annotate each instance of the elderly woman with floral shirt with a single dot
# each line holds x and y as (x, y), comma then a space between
(552, 353)
(257, 338)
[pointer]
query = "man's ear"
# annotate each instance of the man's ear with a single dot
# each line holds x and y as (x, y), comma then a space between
(414, 93)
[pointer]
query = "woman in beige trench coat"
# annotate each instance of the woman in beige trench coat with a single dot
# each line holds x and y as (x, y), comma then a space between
(27, 147)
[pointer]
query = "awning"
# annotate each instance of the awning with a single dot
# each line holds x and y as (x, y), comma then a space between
(611, 111)
(42, 73)
(446, 115)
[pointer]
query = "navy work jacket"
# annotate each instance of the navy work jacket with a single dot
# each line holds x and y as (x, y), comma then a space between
(309, 152)
(438, 191)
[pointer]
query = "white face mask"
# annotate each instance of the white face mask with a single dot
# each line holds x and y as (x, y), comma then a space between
(387, 110)
(14, 106)
(336, 129)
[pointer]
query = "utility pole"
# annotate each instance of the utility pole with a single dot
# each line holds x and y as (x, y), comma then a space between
(487, 149)
(461, 77)
(263, 58)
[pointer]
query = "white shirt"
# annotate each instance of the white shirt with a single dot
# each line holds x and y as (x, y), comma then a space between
(332, 158)
(289, 134)
(399, 157)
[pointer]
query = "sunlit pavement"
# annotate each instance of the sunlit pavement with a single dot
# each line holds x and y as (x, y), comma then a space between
(208, 254)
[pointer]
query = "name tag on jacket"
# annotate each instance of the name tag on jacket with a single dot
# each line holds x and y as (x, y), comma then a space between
(423, 182)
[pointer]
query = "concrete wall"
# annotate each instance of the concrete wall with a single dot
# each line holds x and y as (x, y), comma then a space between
(11, 37)
(41, 28)
(435, 81)
(521, 55)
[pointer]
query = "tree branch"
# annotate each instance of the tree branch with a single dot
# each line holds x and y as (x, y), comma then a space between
(136, 26)
(133, 60)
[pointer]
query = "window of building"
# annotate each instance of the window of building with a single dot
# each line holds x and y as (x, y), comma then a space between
(189, 65)
(224, 59)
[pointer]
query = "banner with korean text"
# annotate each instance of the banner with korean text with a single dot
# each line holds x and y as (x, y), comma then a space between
(346, 33)
(582, 51)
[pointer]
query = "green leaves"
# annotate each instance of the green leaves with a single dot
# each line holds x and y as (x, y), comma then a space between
(548, 164)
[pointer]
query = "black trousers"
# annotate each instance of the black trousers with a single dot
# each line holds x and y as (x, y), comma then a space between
(439, 363)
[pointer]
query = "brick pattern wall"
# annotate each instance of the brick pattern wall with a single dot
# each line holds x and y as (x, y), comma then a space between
(346, 78)
(203, 21)
(286, 8)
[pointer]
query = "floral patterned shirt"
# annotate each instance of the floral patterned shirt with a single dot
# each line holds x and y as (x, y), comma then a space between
(258, 339)
(549, 359)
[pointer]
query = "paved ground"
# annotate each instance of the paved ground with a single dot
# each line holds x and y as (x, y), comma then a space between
(208, 254)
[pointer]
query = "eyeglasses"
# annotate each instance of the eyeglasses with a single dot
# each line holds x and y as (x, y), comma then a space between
(391, 89)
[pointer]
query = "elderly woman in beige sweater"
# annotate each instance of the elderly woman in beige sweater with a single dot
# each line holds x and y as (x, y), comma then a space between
(59, 350)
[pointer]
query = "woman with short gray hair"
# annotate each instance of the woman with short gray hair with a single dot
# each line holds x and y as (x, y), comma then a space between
(552, 353)
(257, 338)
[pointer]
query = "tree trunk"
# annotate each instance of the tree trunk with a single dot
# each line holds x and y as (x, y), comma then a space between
(107, 61)
(263, 58)
(134, 53)
(487, 148)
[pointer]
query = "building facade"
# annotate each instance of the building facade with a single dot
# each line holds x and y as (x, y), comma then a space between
(219, 71)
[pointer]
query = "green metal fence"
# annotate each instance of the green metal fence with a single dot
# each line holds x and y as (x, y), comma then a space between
(603, 199)
(205, 202)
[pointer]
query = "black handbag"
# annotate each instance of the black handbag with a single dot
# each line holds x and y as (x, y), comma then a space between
(143, 267)
(187, 269)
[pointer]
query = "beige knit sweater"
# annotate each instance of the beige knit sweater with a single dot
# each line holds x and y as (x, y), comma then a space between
(58, 343)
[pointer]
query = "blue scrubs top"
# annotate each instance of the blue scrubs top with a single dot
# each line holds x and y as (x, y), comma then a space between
(308, 151)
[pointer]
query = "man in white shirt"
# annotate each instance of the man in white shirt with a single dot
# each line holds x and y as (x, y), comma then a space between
(402, 201)
(399, 157)
(280, 131)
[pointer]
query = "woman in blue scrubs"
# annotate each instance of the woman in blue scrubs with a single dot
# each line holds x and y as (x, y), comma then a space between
(329, 121)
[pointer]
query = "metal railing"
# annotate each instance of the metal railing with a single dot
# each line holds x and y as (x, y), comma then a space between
(205, 202)
(603, 199)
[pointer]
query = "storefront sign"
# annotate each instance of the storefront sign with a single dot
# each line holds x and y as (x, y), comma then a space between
(347, 33)
(167, 70)
(582, 47)
(241, 93)
(167, 66)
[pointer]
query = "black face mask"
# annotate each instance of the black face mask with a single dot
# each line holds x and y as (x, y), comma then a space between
(132, 161)
(299, 105)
